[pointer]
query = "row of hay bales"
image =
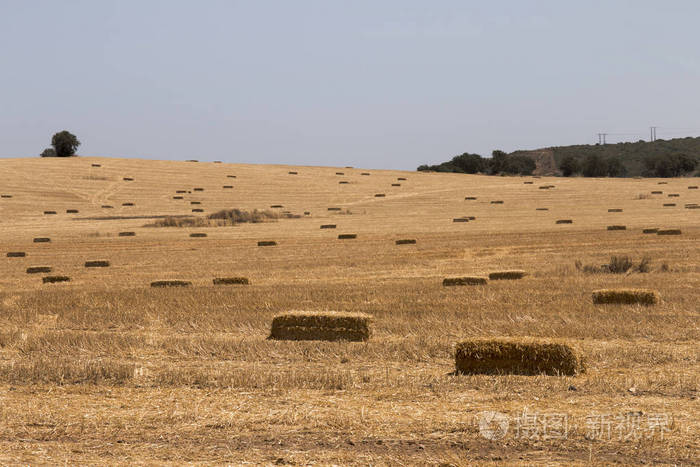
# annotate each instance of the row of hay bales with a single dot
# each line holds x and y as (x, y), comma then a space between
(215, 281)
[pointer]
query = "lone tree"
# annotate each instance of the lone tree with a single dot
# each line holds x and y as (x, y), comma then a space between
(65, 143)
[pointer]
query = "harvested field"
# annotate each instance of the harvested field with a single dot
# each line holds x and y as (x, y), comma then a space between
(104, 369)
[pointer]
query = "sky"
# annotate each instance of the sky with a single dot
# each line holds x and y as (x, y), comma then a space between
(364, 83)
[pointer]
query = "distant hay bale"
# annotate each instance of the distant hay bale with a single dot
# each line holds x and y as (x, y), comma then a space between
(564, 221)
(662, 183)
(198, 210)
(343, 182)
(541, 209)
(291, 172)
(669, 232)
(54, 279)
(406, 241)
(649, 231)
(693, 187)
(180, 191)
(307, 213)
(466, 280)
(127, 234)
(217, 162)
(326, 326)
(470, 198)
(395, 184)
(328, 226)
(71, 211)
(460, 219)
(498, 201)
(228, 187)
(471, 218)
(656, 192)
(107, 206)
(39, 269)
(96, 165)
(191, 160)
(692, 206)
(401, 178)
(49, 212)
(127, 204)
(543, 187)
(673, 195)
(195, 202)
(231, 176)
(615, 210)
(128, 179)
(347, 236)
(267, 243)
(231, 281)
(178, 197)
(365, 173)
(97, 264)
(171, 283)
(198, 189)
(513, 274)
(340, 173)
(528, 183)
(517, 356)
(41, 240)
(5, 196)
(276, 206)
(16, 254)
(379, 195)
(334, 209)
(625, 296)
(669, 205)
(617, 227)
(198, 235)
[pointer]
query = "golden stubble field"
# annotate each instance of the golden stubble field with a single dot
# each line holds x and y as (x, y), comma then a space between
(105, 370)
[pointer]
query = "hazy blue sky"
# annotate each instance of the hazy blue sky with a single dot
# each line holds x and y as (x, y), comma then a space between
(376, 83)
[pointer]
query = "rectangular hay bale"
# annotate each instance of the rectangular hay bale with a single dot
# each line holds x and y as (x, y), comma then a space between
(512, 274)
(231, 281)
(327, 326)
(466, 280)
(625, 296)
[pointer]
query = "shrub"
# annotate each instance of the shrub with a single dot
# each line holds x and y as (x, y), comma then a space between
(65, 144)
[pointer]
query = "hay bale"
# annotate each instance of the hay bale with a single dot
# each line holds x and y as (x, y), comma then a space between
(5, 196)
(470, 198)
(198, 189)
(228, 187)
(668, 232)
(16, 254)
(541, 209)
(379, 195)
(617, 227)
(347, 236)
(171, 283)
(307, 213)
(517, 356)
(191, 160)
(39, 269)
(625, 296)
(54, 279)
(328, 226)
(96, 165)
(334, 209)
(107, 206)
(127, 234)
(615, 210)
(41, 240)
(466, 280)
(292, 173)
(267, 243)
(276, 206)
(564, 221)
(656, 192)
(340, 173)
(49, 212)
(195, 202)
(406, 241)
(669, 205)
(401, 178)
(198, 210)
(543, 187)
(71, 211)
(512, 274)
(343, 182)
(231, 281)
(326, 326)
(365, 173)
(198, 235)
(662, 183)
(180, 191)
(692, 206)
(673, 195)
(178, 197)
(498, 201)
(460, 219)
(97, 264)
(693, 187)
(649, 231)
(528, 183)
(127, 204)
(395, 184)
(128, 179)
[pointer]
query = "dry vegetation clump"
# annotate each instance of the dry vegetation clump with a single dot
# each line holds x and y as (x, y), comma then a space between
(198, 235)
(238, 216)
(512, 274)
(54, 279)
(669, 232)
(16, 254)
(172, 221)
(231, 281)
(41, 240)
(267, 243)
(617, 265)
(171, 283)
(564, 221)
(517, 356)
(625, 296)
(328, 226)
(326, 326)
(126, 234)
(406, 241)
(38, 269)
(466, 280)
(617, 227)
(97, 264)
(347, 236)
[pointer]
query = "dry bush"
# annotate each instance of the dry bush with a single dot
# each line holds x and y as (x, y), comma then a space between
(171, 283)
(238, 216)
(327, 326)
(97, 264)
(512, 274)
(466, 280)
(231, 281)
(617, 265)
(625, 296)
(517, 356)
(54, 279)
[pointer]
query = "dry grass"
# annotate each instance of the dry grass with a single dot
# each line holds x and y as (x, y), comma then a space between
(517, 356)
(625, 296)
(324, 326)
(106, 370)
